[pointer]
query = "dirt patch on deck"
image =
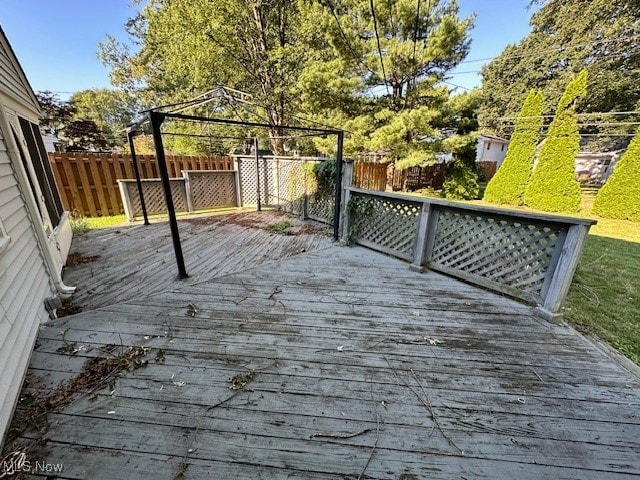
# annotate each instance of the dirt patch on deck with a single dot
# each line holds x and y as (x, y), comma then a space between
(274, 222)
(74, 259)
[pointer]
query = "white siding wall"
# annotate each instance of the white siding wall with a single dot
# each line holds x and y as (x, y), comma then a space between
(24, 284)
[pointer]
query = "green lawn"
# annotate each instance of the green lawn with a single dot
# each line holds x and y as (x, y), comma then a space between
(604, 299)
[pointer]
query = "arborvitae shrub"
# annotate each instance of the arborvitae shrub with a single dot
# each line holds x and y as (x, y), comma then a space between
(461, 182)
(553, 186)
(620, 196)
(510, 181)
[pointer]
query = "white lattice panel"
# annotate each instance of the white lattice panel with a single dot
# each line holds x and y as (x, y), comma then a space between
(154, 196)
(212, 189)
(321, 208)
(249, 181)
(512, 253)
(387, 223)
(291, 185)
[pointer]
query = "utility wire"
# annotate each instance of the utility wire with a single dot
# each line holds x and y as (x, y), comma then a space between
(551, 49)
(375, 28)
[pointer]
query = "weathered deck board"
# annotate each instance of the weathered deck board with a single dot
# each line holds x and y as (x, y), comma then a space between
(136, 260)
(444, 379)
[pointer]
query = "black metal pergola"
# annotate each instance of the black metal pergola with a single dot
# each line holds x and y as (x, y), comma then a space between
(155, 119)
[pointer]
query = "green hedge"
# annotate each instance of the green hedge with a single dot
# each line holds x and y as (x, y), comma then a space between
(461, 182)
(510, 181)
(620, 196)
(553, 186)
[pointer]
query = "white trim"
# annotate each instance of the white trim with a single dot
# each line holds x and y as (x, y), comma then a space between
(5, 241)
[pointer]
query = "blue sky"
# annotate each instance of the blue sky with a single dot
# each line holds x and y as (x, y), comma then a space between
(56, 41)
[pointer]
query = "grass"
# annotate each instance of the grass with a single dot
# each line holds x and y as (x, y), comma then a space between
(281, 228)
(81, 224)
(604, 299)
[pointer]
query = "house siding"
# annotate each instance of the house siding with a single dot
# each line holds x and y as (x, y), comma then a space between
(24, 284)
(11, 81)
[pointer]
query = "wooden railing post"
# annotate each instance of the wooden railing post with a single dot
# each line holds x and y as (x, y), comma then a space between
(347, 176)
(420, 249)
(563, 273)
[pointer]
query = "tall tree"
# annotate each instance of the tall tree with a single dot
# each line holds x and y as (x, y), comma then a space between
(510, 181)
(189, 47)
(553, 186)
(620, 196)
(111, 110)
(60, 118)
(566, 36)
(331, 59)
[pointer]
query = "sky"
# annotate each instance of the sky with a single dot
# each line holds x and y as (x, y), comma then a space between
(57, 41)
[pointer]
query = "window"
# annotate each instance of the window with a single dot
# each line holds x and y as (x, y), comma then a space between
(502, 148)
(488, 145)
(44, 175)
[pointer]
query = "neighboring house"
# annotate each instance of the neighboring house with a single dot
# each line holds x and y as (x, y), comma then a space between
(491, 149)
(595, 168)
(51, 142)
(35, 234)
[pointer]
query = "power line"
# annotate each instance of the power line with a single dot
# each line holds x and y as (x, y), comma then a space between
(551, 49)
(375, 28)
(589, 114)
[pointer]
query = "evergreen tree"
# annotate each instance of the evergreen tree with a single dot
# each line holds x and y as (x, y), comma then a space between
(553, 186)
(620, 196)
(510, 182)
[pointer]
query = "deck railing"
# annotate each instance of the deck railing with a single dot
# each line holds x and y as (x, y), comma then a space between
(196, 190)
(526, 255)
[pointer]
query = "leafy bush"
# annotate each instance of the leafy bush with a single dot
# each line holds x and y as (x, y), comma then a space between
(461, 182)
(553, 186)
(325, 176)
(620, 196)
(510, 181)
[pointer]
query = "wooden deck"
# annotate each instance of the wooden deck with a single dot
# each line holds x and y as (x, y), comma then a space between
(353, 367)
(115, 264)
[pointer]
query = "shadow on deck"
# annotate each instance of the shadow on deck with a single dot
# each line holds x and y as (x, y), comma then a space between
(335, 363)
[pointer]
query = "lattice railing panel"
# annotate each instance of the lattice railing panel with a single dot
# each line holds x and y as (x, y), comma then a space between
(321, 208)
(248, 181)
(212, 189)
(291, 186)
(154, 196)
(389, 224)
(506, 251)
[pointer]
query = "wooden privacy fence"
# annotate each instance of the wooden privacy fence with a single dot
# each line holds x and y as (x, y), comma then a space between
(526, 255)
(372, 176)
(486, 170)
(87, 182)
(415, 178)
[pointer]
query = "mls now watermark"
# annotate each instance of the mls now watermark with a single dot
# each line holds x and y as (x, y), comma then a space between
(17, 462)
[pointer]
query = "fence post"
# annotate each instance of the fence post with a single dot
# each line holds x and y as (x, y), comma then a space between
(563, 272)
(126, 200)
(347, 176)
(236, 167)
(187, 185)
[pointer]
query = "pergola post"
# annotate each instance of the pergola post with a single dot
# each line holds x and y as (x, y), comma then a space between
(136, 169)
(156, 119)
(338, 194)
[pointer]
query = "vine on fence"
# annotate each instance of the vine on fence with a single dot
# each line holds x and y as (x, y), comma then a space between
(358, 210)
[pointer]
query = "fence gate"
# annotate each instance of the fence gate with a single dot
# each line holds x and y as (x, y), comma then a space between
(286, 183)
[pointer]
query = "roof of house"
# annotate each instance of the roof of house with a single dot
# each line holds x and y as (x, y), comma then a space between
(493, 137)
(8, 49)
